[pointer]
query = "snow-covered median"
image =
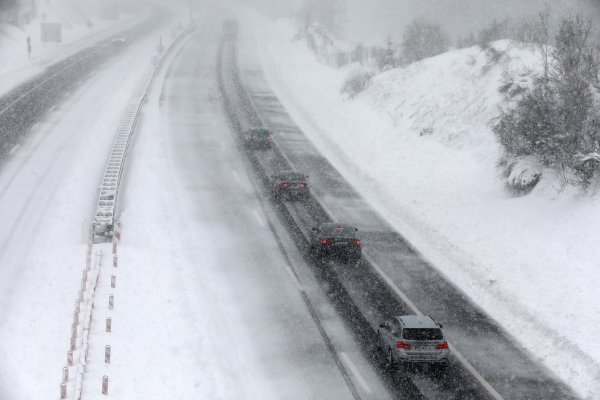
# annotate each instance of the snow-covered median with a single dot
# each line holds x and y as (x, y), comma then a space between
(418, 145)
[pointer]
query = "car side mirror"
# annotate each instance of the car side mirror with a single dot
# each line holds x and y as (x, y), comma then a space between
(382, 326)
(441, 326)
(356, 229)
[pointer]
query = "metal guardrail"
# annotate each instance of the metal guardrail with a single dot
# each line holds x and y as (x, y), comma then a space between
(106, 210)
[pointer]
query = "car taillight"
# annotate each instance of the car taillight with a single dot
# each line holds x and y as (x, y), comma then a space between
(356, 242)
(325, 241)
(284, 185)
(442, 346)
(270, 138)
(401, 345)
(302, 185)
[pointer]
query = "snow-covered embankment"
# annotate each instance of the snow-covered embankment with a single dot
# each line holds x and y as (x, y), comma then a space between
(418, 145)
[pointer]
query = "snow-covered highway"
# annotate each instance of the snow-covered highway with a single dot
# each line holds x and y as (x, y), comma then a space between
(214, 294)
(206, 306)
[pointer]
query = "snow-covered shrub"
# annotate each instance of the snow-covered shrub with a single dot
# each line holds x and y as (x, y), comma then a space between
(522, 174)
(423, 39)
(357, 81)
(557, 118)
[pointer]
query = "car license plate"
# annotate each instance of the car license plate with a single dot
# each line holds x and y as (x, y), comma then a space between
(423, 348)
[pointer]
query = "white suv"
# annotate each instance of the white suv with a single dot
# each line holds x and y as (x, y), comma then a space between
(412, 338)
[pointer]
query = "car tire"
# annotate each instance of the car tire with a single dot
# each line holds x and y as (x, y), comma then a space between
(378, 346)
(390, 359)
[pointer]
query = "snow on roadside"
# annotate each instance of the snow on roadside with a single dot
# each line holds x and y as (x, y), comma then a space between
(48, 198)
(16, 68)
(418, 146)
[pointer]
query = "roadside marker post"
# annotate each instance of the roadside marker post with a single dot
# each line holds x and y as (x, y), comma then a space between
(105, 384)
(107, 354)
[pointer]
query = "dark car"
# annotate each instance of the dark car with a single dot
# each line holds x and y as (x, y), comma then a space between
(290, 185)
(335, 240)
(258, 138)
(118, 42)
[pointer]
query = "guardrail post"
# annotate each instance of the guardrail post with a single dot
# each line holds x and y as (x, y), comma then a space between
(111, 301)
(105, 384)
(63, 391)
(65, 375)
(70, 358)
(113, 281)
(108, 324)
(107, 354)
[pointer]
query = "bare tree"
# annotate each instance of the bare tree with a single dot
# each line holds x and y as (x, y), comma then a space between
(423, 39)
(327, 13)
(558, 118)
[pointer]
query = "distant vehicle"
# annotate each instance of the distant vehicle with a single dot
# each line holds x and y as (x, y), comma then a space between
(290, 185)
(335, 240)
(230, 28)
(258, 138)
(118, 42)
(412, 339)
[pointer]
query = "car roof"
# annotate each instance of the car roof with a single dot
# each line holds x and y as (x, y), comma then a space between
(336, 225)
(290, 174)
(417, 321)
(262, 130)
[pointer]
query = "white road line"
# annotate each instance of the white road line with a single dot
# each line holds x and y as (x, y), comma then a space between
(294, 278)
(393, 286)
(486, 385)
(15, 148)
(259, 218)
(35, 126)
(236, 176)
(361, 380)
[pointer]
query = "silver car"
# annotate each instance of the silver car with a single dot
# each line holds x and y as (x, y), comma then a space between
(412, 338)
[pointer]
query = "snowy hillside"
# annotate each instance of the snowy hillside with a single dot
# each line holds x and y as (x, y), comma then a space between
(418, 145)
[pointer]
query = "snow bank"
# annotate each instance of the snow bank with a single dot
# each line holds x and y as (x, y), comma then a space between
(418, 145)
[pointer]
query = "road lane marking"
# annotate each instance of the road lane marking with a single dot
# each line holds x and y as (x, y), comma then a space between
(486, 385)
(259, 218)
(361, 380)
(294, 278)
(236, 176)
(15, 148)
(393, 286)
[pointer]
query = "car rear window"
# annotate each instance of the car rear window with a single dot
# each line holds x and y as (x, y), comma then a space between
(422, 334)
(340, 231)
(292, 177)
(260, 132)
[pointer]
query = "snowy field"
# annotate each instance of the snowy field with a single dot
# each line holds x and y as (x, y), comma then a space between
(419, 147)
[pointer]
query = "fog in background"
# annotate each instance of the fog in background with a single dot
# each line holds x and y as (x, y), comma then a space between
(368, 20)
(371, 21)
